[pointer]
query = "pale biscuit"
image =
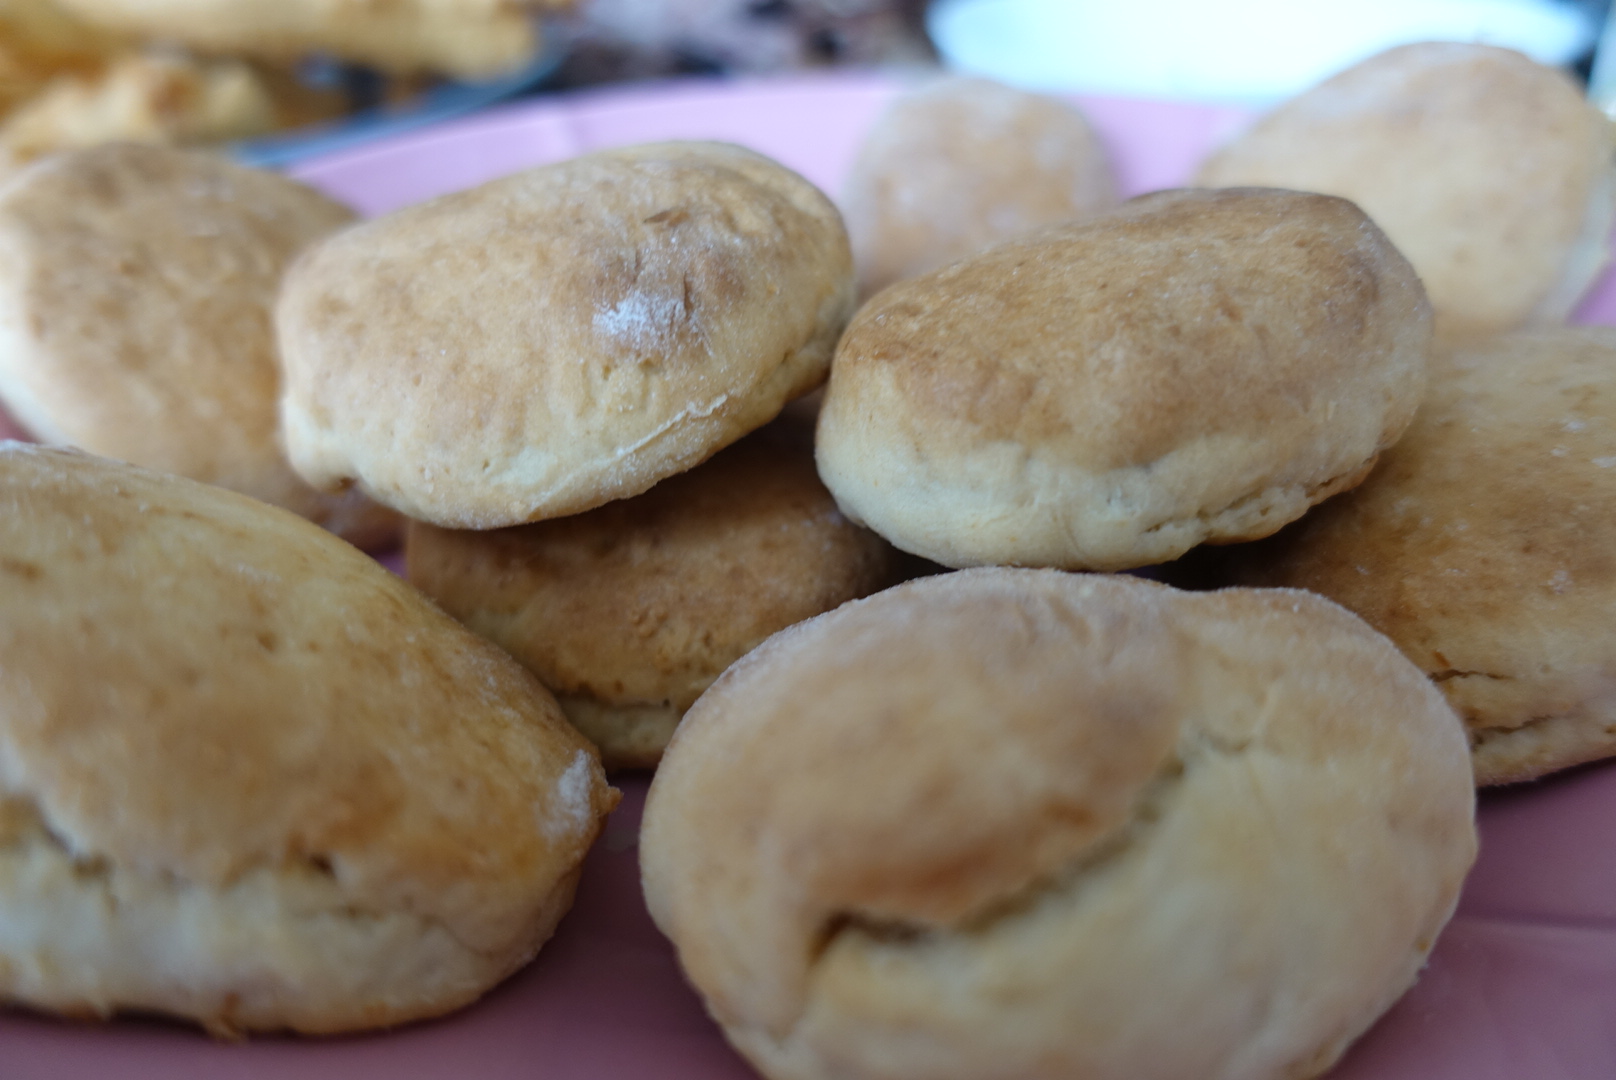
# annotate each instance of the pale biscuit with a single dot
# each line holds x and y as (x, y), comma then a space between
(1195, 366)
(1494, 175)
(137, 286)
(560, 338)
(466, 38)
(630, 611)
(1026, 823)
(250, 778)
(1481, 547)
(962, 164)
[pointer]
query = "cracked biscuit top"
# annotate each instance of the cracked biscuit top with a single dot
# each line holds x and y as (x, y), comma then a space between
(563, 337)
(249, 777)
(1023, 823)
(1481, 546)
(1195, 366)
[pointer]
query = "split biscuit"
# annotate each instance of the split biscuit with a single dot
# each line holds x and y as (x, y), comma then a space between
(560, 338)
(962, 164)
(137, 288)
(252, 779)
(630, 611)
(1194, 366)
(1027, 823)
(1494, 175)
(1481, 546)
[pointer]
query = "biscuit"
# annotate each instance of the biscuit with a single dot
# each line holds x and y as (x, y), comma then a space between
(563, 337)
(1480, 546)
(1195, 366)
(1492, 174)
(628, 612)
(250, 778)
(1026, 823)
(137, 286)
(961, 165)
(469, 39)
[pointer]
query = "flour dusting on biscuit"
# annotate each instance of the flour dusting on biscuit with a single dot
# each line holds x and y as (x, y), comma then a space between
(563, 337)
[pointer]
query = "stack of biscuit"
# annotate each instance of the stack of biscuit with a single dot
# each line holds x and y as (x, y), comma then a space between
(1030, 817)
(466, 362)
(564, 340)
(1024, 821)
(553, 374)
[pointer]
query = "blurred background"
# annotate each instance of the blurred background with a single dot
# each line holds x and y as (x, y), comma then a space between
(299, 77)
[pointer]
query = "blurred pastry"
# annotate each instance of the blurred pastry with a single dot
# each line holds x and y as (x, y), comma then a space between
(1494, 175)
(1480, 546)
(563, 337)
(40, 42)
(962, 164)
(1195, 366)
(465, 38)
(171, 100)
(136, 294)
(1027, 823)
(628, 612)
(251, 778)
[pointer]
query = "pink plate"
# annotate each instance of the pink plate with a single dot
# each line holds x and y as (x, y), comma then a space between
(1522, 985)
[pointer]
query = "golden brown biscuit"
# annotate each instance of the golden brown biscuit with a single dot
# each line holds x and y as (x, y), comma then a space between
(1195, 366)
(1026, 823)
(466, 38)
(560, 338)
(1492, 174)
(1481, 547)
(136, 293)
(250, 777)
(630, 611)
(961, 165)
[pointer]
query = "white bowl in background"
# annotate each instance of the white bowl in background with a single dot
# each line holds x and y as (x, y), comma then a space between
(1251, 52)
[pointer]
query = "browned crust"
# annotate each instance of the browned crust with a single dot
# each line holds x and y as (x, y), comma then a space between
(267, 705)
(1476, 547)
(1194, 366)
(640, 604)
(560, 338)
